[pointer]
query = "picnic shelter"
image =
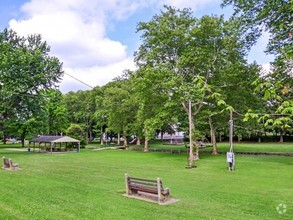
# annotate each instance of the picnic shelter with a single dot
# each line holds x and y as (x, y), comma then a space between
(54, 143)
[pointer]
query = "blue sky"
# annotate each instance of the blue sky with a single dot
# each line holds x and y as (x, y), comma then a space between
(96, 39)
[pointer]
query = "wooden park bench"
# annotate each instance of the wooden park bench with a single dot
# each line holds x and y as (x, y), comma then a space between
(137, 186)
(7, 164)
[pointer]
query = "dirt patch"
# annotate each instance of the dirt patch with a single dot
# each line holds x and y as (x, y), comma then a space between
(151, 198)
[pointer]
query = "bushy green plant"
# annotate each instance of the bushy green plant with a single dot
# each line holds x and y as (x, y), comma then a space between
(76, 131)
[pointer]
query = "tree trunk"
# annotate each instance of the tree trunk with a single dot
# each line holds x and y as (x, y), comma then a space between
(124, 138)
(188, 110)
(239, 138)
(259, 140)
(90, 131)
(124, 141)
(138, 142)
(22, 142)
(101, 137)
(191, 114)
(213, 136)
(22, 137)
(146, 142)
(162, 136)
(220, 137)
(4, 137)
(196, 155)
(281, 137)
(118, 141)
(191, 130)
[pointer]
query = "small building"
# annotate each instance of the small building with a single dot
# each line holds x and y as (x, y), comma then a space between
(176, 138)
(54, 143)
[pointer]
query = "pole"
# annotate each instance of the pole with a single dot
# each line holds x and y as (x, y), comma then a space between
(190, 165)
(231, 131)
(230, 154)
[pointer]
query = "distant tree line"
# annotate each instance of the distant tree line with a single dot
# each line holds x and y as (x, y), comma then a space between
(191, 73)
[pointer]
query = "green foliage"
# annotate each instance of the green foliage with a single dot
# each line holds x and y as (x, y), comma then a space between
(275, 87)
(56, 112)
(76, 131)
(184, 59)
(279, 102)
(120, 106)
(26, 70)
(155, 108)
(274, 16)
(81, 108)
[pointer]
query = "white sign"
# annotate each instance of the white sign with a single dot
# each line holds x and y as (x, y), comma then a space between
(230, 157)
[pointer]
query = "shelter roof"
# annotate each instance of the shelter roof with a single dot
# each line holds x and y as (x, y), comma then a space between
(54, 139)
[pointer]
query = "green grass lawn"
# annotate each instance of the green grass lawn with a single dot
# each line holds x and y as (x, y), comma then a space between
(90, 184)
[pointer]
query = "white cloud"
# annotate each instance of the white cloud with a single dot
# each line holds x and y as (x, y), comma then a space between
(194, 4)
(75, 39)
(89, 10)
(94, 75)
(76, 30)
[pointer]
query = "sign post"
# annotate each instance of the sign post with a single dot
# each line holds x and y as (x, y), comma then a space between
(230, 155)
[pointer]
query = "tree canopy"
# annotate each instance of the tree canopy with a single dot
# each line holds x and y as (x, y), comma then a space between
(275, 17)
(26, 69)
(191, 73)
(184, 60)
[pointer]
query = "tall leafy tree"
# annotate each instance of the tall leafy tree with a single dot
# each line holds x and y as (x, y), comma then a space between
(165, 39)
(100, 114)
(155, 108)
(29, 119)
(26, 69)
(57, 119)
(188, 53)
(275, 17)
(121, 106)
(236, 86)
(81, 107)
(76, 131)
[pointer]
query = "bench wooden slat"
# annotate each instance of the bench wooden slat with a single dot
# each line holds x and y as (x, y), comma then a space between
(145, 180)
(146, 184)
(144, 189)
